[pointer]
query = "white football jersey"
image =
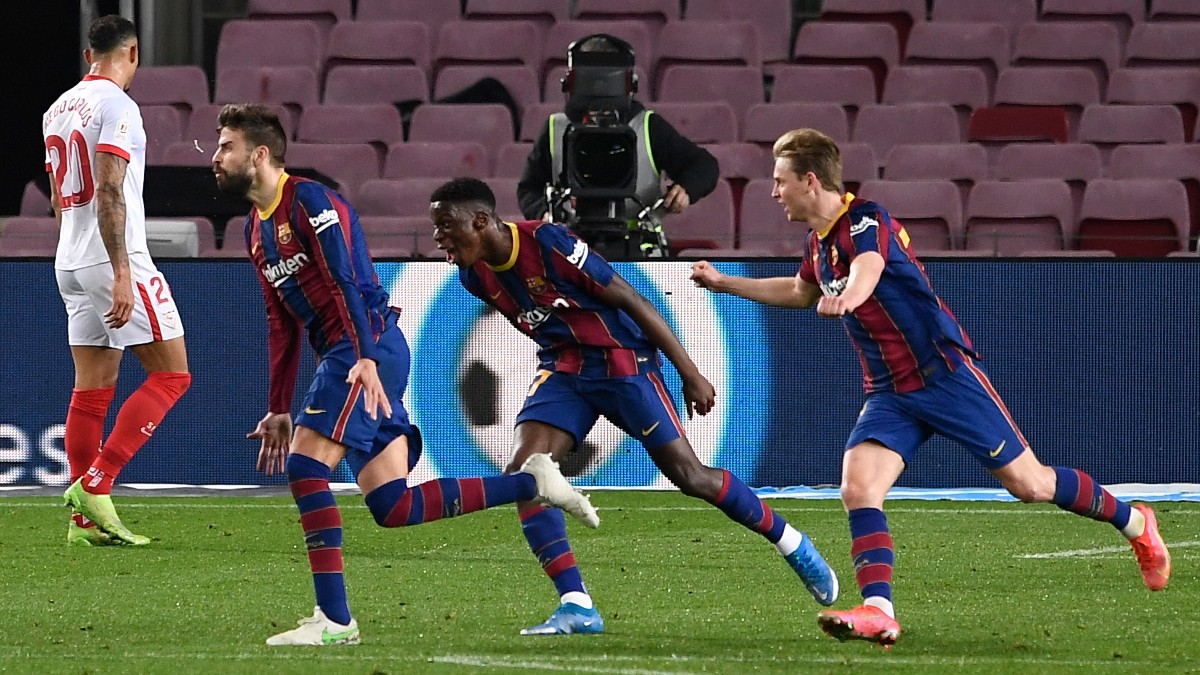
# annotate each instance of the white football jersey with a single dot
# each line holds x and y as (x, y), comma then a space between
(95, 115)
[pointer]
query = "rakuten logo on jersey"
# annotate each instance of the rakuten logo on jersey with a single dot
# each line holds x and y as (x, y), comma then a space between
(538, 315)
(324, 219)
(835, 287)
(279, 272)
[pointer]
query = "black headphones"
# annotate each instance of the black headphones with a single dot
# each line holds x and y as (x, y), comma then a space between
(604, 51)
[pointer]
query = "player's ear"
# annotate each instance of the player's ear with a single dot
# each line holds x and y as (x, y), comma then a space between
(88, 56)
(480, 220)
(133, 53)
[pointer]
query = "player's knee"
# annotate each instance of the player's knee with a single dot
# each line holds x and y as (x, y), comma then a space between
(170, 385)
(1031, 491)
(698, 481)
(857, 494)
(385, 500)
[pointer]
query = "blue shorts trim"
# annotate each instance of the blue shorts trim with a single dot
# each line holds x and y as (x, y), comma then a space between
(640, 405)
(335, 410)
(963, 406)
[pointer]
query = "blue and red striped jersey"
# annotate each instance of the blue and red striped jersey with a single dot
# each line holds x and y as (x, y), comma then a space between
(549, 289)
(315, 270)
(905, 335)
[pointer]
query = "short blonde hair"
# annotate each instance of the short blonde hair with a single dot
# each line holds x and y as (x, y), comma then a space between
(810, 150)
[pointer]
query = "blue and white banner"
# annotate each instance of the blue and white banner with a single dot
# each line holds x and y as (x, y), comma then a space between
(1097, 361)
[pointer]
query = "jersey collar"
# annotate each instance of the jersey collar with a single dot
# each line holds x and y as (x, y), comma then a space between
(846, 199)
(512, 257)
(263, 214)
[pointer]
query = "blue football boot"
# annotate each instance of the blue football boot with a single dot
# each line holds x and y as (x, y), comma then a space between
(568, 618)
(818, 577)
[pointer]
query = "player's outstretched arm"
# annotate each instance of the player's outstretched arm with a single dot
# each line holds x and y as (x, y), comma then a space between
(697, 391)
(775, 291)
(865, 271)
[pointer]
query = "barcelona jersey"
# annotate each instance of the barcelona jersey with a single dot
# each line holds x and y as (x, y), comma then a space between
(549, 289)
(311, 259)
(905, 335)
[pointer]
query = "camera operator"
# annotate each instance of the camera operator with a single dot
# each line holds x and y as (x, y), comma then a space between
(599, 87)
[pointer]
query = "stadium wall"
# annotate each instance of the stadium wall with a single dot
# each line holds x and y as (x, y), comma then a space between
(1097, 361)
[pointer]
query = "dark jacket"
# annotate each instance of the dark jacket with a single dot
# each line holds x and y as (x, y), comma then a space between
(686, 163)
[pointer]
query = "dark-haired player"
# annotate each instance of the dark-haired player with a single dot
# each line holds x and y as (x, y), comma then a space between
(114, 295)
(598, 343)
(316, 274)
(920, 371)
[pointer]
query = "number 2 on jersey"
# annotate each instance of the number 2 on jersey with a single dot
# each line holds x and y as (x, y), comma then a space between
(77, 154)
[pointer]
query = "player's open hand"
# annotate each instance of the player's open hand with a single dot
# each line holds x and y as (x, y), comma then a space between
(699, 393)
(375, 397)
(122, 307)
(705, 275)
(275, 432)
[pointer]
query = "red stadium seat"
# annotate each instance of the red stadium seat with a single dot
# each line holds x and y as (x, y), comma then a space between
(1071, 88)
(1164, 44)
(1106, 126)
(164, 126)
(1011, 13)
(873, 45)
(741, 161)
(1121, 14)
(1179, 87)
(247, 43)
(707, 222)
(900, 14)
(772, 17)
(520, 82)
(739, 86)
(701, 122)
(851, 87)
(1075, 163)
(202, 125)
(376, 84)
(488, 123)
(654, 13)
(1134, 217)
(380, 43)
(996, 126)
(544, 13)
(378, 124)
(884, 126)
(34, 202)
(511, 158)
(232, 241)
(714, 43)
(292, 85)
(930, 210)
(494, 43)
(962, 163)
(184, 87)
(766, 122)
(395, 236)
(1177, 161)
(859, 164)
(535, 118)
(963, 87)
(984, 46)
(1007, 218)
(1094, 44)
(323, 12)
(437, 158)
(29, 236)
(1173, 10)
(349, 164)
(396, 197)
(433, 13)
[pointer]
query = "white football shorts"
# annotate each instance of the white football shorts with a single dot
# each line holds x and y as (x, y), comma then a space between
(87, 294)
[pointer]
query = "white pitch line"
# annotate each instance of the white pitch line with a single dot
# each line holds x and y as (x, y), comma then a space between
(584, 663)
(1084, 552)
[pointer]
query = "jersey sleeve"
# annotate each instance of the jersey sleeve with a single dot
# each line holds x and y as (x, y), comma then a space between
(325, 224)
(573, 258)
(807, 273)
(118, 118)
(867, 232)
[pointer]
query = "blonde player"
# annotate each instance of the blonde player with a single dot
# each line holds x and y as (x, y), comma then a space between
(114, 295)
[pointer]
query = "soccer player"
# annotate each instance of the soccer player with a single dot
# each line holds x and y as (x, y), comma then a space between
(922, 376)
(114, 295)
(316, 274)
(598, 343)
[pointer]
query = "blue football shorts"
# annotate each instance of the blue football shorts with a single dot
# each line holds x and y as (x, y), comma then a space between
(336, 410)
(962, 406)
(639, 405)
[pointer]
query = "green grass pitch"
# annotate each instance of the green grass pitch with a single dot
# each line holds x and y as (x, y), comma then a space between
(981, 588)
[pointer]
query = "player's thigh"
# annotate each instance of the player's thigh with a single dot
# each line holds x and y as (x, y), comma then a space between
(640, 405)
(155, 317)
(315, 445)
(965, 408)
(85, 320)
(167, 356)
(888, 419)
(96, 367)
(335, 409)
(555, 418)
